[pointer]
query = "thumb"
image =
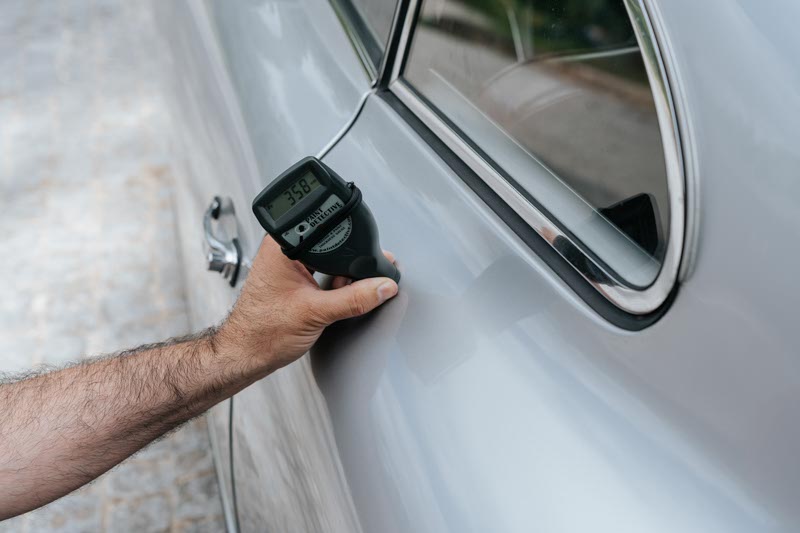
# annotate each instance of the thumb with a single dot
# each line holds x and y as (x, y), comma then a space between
(353, 300)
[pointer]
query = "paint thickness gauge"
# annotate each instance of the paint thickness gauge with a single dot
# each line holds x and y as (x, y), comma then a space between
(321, 220)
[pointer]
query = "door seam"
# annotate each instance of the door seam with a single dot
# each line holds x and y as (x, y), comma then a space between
(349, 124)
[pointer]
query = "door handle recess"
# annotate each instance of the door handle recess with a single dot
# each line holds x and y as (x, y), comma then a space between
(223, 254)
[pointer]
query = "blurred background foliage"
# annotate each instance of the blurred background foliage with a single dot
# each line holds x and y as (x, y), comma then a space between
(543, 27)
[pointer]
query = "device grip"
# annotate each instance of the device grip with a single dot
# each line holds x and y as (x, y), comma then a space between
(374, 267)
(388, 270)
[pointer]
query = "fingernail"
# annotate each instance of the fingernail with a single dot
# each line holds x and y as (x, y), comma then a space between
(386, 290)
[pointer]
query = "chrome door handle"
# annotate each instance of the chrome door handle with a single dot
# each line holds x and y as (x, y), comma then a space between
(223, 254)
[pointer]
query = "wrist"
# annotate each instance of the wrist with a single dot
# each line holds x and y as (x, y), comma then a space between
(234, 354)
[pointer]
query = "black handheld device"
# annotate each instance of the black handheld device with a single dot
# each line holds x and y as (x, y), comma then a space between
(321, 220)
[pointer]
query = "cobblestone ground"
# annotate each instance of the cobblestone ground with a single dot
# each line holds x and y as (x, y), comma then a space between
(89, 259)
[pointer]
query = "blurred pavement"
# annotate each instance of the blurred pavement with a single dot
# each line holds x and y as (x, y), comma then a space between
(90, 260)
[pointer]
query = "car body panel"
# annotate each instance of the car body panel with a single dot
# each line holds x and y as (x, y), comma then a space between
(231, 137)
(488, 395)
(205, 164)
(294, 73)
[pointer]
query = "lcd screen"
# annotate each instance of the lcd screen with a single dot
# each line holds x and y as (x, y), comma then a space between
(298, 190)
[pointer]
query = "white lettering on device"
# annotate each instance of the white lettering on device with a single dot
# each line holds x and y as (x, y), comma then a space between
(335, 238)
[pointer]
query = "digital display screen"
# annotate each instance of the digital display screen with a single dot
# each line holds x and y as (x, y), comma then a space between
(292, 195)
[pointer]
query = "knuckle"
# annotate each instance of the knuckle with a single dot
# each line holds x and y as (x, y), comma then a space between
(309, 312)
(316, 315)
(357, 304)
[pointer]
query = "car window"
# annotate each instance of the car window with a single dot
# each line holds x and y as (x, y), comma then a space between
(369, 23)
(556, 93)
(378, 15)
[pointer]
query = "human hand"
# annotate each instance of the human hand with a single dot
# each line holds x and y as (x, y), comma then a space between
(282, 311)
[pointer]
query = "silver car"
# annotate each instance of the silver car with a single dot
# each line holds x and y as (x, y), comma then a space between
(594, 207)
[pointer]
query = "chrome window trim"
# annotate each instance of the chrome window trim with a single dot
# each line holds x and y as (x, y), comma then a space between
(632, 300)
(411, 12)
(356, 40)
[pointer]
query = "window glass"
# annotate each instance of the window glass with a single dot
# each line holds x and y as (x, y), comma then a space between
(556, 93)
(369, 22)
(378, 15)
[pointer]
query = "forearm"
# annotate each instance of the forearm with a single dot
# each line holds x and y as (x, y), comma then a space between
(60, 430)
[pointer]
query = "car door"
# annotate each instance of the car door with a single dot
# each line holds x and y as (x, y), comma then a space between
(561, 357)
(252, 87)
(299, 82)
(530, 165)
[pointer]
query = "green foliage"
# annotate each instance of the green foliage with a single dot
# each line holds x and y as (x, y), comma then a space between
(553, 26)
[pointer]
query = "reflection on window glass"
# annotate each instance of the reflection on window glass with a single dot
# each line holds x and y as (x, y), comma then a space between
(368, 24)
(561, 82)
(378, 15)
